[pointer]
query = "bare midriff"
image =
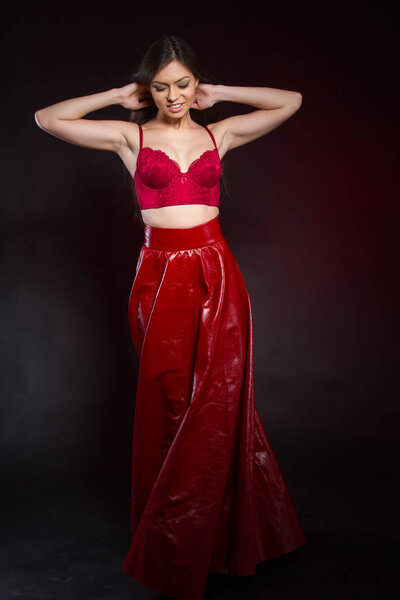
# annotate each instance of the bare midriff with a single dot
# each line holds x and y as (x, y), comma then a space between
(185, 215)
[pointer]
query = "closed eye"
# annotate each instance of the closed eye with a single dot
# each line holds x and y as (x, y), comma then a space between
(180, 86)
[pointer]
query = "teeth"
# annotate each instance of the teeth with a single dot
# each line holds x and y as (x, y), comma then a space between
(175, 105)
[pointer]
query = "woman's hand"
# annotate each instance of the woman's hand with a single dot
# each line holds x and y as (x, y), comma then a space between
(134, 96)
(206, 96)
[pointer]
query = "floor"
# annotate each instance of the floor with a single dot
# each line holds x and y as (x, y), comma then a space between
(65, 545)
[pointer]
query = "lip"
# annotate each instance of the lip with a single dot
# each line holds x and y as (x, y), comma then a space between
(175, 109)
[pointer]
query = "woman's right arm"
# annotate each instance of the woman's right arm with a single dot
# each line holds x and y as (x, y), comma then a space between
(64, 119)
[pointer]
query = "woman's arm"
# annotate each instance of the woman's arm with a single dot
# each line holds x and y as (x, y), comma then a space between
(260, 97)
(274, 107)
(64, 119)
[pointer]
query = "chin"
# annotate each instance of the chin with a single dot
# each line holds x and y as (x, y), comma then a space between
(176, 114)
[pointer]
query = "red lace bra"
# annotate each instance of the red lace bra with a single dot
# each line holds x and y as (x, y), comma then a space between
(160, 182)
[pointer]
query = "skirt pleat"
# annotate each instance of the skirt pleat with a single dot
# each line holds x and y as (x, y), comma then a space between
(207, 493)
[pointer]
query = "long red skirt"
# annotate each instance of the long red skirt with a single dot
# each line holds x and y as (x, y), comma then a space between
(207, 492)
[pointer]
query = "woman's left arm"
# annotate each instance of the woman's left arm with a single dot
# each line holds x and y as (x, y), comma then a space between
(274, 106)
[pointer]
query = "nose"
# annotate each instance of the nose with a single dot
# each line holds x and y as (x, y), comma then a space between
(170, 95)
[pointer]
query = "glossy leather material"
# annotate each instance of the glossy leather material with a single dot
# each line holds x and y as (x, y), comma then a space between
(207, 492)
(160, 182)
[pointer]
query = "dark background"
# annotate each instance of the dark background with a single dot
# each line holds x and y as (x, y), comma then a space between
(311, 218)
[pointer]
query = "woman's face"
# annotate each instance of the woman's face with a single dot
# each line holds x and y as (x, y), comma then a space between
(174, 84)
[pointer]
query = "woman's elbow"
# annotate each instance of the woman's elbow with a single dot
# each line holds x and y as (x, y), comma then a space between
(39, 119)
(298, 99)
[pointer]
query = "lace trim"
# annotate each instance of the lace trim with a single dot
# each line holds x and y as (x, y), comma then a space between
(149, 157)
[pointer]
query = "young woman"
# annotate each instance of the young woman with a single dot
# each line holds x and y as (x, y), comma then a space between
(207, 491)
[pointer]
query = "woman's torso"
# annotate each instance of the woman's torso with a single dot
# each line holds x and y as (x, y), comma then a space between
(186, 215)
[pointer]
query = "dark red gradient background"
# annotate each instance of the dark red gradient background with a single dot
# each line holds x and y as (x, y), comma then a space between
(311, 217)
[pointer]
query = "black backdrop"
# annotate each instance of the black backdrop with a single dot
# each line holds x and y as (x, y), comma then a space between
(310, 217)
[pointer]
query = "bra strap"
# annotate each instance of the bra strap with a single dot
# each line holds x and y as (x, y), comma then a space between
(140, 136)
(212, 137)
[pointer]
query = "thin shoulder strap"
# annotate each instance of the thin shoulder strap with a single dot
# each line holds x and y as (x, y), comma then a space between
(140, 136)
(212, 137)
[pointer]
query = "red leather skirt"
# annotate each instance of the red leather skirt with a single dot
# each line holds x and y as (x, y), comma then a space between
(207, 492)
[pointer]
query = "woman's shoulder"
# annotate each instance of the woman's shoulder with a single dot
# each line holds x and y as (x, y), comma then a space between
(217, 126)
(218, 129)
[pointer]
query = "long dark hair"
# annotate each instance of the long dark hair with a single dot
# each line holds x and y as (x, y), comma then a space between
(159, 54)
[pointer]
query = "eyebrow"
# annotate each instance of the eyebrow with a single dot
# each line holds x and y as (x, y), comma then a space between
(163, 83)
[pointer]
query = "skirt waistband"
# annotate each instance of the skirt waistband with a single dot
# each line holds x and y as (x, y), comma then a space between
(183, 238)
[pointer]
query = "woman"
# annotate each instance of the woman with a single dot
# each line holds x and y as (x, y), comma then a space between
(207, 492)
